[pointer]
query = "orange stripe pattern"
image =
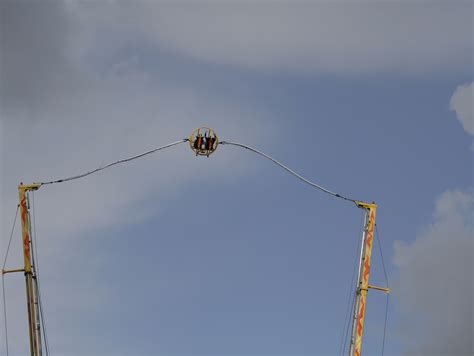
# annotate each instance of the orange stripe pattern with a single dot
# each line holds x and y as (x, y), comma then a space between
(365, 281)
(25, 230)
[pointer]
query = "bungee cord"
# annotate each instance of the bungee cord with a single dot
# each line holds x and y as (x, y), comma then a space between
(115, 163)
(300, 177)
(237, 144)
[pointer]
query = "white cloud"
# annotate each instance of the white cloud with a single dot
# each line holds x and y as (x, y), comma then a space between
(337, 37)
(435, 281)
(462, 103)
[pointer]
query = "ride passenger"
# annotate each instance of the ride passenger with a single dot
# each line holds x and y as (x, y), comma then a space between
(198, 142)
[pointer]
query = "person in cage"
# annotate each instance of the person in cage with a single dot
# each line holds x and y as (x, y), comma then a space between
(210, 140)
(198, 141)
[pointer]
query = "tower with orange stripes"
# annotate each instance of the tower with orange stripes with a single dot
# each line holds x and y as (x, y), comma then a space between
(363, 278)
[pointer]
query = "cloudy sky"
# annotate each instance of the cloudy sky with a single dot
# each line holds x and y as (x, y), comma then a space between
(178, 255)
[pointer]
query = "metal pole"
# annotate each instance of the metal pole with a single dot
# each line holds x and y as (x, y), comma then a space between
(29, 308)
(30, 299)
(363, 278)
(37, 318)
(35, 286)
(356, 305)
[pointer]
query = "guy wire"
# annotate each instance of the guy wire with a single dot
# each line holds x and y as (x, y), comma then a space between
(37, 275)
(3, 280)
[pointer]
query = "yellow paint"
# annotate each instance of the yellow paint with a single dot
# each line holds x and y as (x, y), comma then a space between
(6, 271)
(386, 290)
(365, 274)
(363, 205)
(30, 291)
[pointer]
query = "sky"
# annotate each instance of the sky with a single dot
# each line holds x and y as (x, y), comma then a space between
(174, 254)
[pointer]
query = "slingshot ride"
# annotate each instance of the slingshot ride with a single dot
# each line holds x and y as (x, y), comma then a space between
(204, 142)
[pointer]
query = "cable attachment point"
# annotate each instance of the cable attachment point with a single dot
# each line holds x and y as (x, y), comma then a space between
(203, 141)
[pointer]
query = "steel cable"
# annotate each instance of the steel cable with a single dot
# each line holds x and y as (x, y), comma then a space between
(3, 280)
(11, 236)
(387, 285)
(315, 185)
(351, 296)
(385, 323)
(5, 313)
(114, 163)
(37, 275)
(381, 254)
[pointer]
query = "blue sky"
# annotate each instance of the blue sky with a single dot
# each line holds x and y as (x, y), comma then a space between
(178, 255)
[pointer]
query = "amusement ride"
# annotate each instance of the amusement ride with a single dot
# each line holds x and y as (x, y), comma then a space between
(204, 142)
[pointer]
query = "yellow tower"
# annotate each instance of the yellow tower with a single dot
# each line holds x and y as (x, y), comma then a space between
(363, 278)
(34, 325)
